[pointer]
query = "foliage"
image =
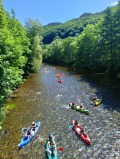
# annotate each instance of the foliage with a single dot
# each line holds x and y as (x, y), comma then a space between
(33, 28)
(36, 53)
(94, 49)
(70, 28)
(14, 46)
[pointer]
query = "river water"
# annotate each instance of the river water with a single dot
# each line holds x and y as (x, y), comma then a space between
(42, 98)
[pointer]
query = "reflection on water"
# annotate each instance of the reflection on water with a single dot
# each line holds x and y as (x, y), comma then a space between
(42, 98)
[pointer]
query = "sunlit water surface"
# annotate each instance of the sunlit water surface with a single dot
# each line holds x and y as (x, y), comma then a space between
(42, 98)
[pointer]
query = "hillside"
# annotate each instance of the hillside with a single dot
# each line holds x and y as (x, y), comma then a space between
(70, 28)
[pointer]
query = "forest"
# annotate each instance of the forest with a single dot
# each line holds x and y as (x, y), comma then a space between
(95, 49)
(88, 44)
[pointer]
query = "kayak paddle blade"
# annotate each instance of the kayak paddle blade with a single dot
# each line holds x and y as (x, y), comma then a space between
(24, 130)
(70, 127)
(60, 148)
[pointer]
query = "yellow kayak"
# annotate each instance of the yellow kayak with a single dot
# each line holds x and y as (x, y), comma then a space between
(97, 102)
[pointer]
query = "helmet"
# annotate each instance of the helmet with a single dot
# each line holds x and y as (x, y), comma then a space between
(81, 106)
(33, 124)
(50, 136)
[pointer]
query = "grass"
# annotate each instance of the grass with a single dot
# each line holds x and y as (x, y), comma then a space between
(10, 106)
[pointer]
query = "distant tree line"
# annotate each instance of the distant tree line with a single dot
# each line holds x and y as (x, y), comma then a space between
(70, 28)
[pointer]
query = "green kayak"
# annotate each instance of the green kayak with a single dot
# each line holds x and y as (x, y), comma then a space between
(77, 108)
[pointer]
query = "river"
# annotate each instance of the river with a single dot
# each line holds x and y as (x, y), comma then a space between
(42, 98)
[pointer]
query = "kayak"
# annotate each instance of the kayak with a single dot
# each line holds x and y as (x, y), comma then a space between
(97, 102)
(25, 141)
(53, 68)
(59, 81)
(83, 110)
(59, 75)
(82, 135)
(51, 152)
(77, 108)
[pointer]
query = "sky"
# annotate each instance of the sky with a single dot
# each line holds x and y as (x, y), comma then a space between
(47, 11)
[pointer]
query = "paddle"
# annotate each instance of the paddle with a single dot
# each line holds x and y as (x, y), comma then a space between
(60, 149)
(91, 106)
(70, 127)
(23, 131)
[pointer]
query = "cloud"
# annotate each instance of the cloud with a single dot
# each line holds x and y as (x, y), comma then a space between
(114, 3)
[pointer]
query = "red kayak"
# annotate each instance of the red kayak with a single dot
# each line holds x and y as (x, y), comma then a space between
(59, 81)
(81, 133)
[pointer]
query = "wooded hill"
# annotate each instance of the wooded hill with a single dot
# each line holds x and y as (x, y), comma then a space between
(70, 28)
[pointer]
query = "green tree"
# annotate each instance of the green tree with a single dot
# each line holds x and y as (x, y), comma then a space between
(13, 46)
(36, 54)
(108, 42)
(34, 29)
(86, 48)
(69, 50)
(116, 25)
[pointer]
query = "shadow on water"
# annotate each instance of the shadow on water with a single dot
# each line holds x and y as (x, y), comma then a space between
(109, 89)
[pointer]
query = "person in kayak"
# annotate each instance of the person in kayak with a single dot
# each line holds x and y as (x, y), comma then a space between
(50, 140)
(82, 131)
(33, 127)
(27, 134)
(51, 145)
(98, 98)
(52, 150)
(94, 99)
(50, 137)
(74, 104)
(33, 124)
(81, 106)
(76, 122)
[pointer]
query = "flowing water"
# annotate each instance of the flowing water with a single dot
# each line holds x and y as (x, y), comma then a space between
(42, 98)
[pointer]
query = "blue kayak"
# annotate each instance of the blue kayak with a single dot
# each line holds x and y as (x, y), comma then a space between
(49, 150)
(25, 141)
